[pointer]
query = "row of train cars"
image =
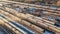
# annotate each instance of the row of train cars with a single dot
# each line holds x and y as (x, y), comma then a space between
(28, 20)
